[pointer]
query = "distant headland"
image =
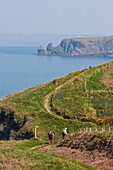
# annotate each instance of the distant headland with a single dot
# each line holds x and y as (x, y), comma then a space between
(94, 46)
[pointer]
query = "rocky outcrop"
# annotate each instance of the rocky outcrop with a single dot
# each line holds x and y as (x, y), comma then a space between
(96, 46)
(11, 129)
(103, 142)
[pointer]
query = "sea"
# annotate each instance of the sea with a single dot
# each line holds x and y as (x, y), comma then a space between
(21, 67)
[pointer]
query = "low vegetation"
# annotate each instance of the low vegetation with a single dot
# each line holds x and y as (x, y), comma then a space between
(25, 155)
(82, 101)
(91, 141)
(28, 106)
(85, 96)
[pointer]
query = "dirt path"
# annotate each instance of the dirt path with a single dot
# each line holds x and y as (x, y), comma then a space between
(106, 79)
(95, 159)
(46, 100)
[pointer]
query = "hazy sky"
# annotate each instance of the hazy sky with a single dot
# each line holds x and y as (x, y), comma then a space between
(56, 17)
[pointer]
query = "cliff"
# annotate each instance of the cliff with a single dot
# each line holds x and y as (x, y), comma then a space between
(96, 46)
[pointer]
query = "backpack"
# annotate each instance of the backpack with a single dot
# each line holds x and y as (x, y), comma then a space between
(63, 131)
(49, 134)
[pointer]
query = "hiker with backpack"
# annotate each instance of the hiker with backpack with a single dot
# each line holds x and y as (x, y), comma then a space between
(50, 135)
(64, 132)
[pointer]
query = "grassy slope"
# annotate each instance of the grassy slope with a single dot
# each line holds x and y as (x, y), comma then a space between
(72, 100)
(18, 155)
(30, 103)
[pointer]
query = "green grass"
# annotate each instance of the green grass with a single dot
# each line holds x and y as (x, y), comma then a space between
(95, 83)
(18, 155)
(103, 104)
(72, 101)
(111, 74)
(29, 103)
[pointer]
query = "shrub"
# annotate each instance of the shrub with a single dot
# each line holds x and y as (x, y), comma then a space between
(88, 119)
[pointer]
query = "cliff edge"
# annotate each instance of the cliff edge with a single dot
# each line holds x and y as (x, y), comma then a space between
(96, 46)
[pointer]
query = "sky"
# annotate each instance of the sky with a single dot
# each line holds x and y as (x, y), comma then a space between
(93, 17)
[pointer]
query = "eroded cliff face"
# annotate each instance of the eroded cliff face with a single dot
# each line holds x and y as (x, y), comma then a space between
(102, 142)
(10, 128)
(99, 46)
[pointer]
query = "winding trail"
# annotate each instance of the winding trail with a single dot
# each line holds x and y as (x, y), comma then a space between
(95, 159)
(106, 79)
(46, 100)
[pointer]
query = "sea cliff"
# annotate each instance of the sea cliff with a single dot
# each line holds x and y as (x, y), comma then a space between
(95, 46)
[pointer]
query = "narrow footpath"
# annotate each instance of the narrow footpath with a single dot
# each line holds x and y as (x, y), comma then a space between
(92, 158)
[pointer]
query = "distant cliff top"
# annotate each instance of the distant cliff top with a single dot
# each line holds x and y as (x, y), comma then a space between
(94, 46)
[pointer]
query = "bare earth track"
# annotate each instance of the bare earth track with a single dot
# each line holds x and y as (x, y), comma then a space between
(106, 79)
(94, 158)
(46, 100)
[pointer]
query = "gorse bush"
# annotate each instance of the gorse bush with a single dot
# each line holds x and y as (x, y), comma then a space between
(68, 104)
(86, 95)
(29, 104)
(103, 121)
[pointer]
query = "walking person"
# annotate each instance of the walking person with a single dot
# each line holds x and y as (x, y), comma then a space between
(64, 132)
(50, 135)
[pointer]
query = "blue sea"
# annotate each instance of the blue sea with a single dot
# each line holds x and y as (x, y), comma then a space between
(21, 67)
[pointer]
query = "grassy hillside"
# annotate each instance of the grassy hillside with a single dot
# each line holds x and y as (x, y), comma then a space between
(87, 95)
(82, 99)
(82, 94)
(20, 155)
(28, 106)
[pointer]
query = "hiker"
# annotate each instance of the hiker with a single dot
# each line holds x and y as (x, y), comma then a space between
(64, 132)
(50, 135)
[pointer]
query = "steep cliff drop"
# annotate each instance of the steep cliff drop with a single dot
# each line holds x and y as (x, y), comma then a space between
(96, 46)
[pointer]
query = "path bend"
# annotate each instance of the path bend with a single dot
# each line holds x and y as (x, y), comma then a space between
(47, 97)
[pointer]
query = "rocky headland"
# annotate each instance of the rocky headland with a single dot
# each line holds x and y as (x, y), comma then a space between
(95, 46)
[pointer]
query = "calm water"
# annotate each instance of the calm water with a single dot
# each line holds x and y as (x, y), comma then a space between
(21, 68)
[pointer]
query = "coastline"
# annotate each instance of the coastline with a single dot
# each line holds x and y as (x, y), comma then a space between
(94, 46)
